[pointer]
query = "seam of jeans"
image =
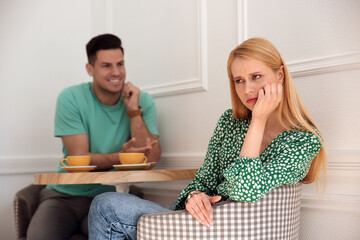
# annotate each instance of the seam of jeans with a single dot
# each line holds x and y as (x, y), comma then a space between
(114, 223)
(108, 231)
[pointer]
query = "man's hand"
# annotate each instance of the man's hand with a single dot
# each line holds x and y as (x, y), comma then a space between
(128, 147)
(131, 95)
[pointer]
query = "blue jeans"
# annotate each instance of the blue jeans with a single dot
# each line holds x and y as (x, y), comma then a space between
(115, 215)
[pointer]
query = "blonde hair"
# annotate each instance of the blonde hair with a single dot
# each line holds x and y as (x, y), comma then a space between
(291, 109)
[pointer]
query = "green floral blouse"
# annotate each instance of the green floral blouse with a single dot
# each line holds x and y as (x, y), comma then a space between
(285, 161)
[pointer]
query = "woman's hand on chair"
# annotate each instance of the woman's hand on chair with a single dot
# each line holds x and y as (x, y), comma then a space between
(199, 205)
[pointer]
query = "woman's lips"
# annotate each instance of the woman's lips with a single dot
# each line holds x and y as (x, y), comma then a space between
(251, 100)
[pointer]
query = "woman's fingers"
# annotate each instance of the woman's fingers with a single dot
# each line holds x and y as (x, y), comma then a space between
(272, 94)
(261, 94)
(194, 210)
(210, 210)
(200, 207)
(207, 210)
(267, 90)
(215, 199)
(273, 89)
(268, 100)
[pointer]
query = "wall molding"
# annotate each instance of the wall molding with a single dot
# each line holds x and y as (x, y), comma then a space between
(331, 202)
(109, 26)
(17, 165)
(306, 67)
(339, 162)
(242, 20)
(180, 87)
(198, 84)
(326, 64)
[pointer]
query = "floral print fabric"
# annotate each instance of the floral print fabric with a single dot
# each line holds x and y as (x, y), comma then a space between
(285, 161)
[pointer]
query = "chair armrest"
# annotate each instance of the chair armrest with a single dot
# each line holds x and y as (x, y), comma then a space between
(26, 202)
(275, 216)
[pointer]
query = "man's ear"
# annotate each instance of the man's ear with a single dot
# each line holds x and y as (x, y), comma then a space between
(281, 74)
(89, 69)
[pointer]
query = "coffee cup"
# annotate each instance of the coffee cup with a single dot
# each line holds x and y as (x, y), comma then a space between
(76, 161)
(132, 158)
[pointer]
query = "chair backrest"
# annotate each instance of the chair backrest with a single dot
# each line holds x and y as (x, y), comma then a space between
(26, 202)
(275, 216)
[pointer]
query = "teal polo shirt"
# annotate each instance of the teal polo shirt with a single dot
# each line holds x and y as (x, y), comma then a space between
(78, 111)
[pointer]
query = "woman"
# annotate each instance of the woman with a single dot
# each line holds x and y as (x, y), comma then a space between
(268, 139)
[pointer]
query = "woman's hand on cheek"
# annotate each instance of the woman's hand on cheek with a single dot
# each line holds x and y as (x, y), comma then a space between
(268, 99)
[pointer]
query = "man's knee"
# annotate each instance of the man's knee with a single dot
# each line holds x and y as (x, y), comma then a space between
(51, 219)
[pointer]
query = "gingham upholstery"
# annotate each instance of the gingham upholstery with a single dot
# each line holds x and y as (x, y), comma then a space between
(275, 216)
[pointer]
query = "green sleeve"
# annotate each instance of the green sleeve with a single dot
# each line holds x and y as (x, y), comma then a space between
(210, 169)
(68, 119)
(248, 180)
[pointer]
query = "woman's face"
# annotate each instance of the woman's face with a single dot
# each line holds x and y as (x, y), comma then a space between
(250, 76)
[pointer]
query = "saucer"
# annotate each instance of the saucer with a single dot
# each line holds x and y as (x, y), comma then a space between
(79, 168)
(131, 166)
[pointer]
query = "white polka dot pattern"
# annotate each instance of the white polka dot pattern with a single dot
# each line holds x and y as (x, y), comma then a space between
(285, 161)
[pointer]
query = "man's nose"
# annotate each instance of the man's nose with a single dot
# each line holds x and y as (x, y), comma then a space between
(115, 71)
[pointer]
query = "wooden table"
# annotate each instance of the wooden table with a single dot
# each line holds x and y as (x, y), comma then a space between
(115, 176)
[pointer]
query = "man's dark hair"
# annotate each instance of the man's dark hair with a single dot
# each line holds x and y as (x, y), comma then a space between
(102, 42)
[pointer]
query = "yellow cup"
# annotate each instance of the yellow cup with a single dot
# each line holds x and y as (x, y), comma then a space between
(76, 161)
(132, 158)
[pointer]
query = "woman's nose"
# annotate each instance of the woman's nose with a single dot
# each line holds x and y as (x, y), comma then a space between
(249, 87)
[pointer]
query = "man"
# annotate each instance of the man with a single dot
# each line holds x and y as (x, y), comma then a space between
(99, 119)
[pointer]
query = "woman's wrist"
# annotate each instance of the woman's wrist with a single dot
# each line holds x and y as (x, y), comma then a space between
(191, 194)
(252, 142)
(257, 121)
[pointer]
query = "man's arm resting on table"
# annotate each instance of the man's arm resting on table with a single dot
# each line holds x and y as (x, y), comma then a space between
(79, 145)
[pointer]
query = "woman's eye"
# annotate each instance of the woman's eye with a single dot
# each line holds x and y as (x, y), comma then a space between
(238, 81)
(256, 77)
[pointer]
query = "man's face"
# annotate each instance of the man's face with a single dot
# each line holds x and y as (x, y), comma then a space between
(108, 71)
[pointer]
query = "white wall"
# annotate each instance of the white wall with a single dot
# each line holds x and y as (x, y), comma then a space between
(42, 51)
(177, 51)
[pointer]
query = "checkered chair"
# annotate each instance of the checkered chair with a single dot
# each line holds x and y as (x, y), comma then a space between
(274, 216)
